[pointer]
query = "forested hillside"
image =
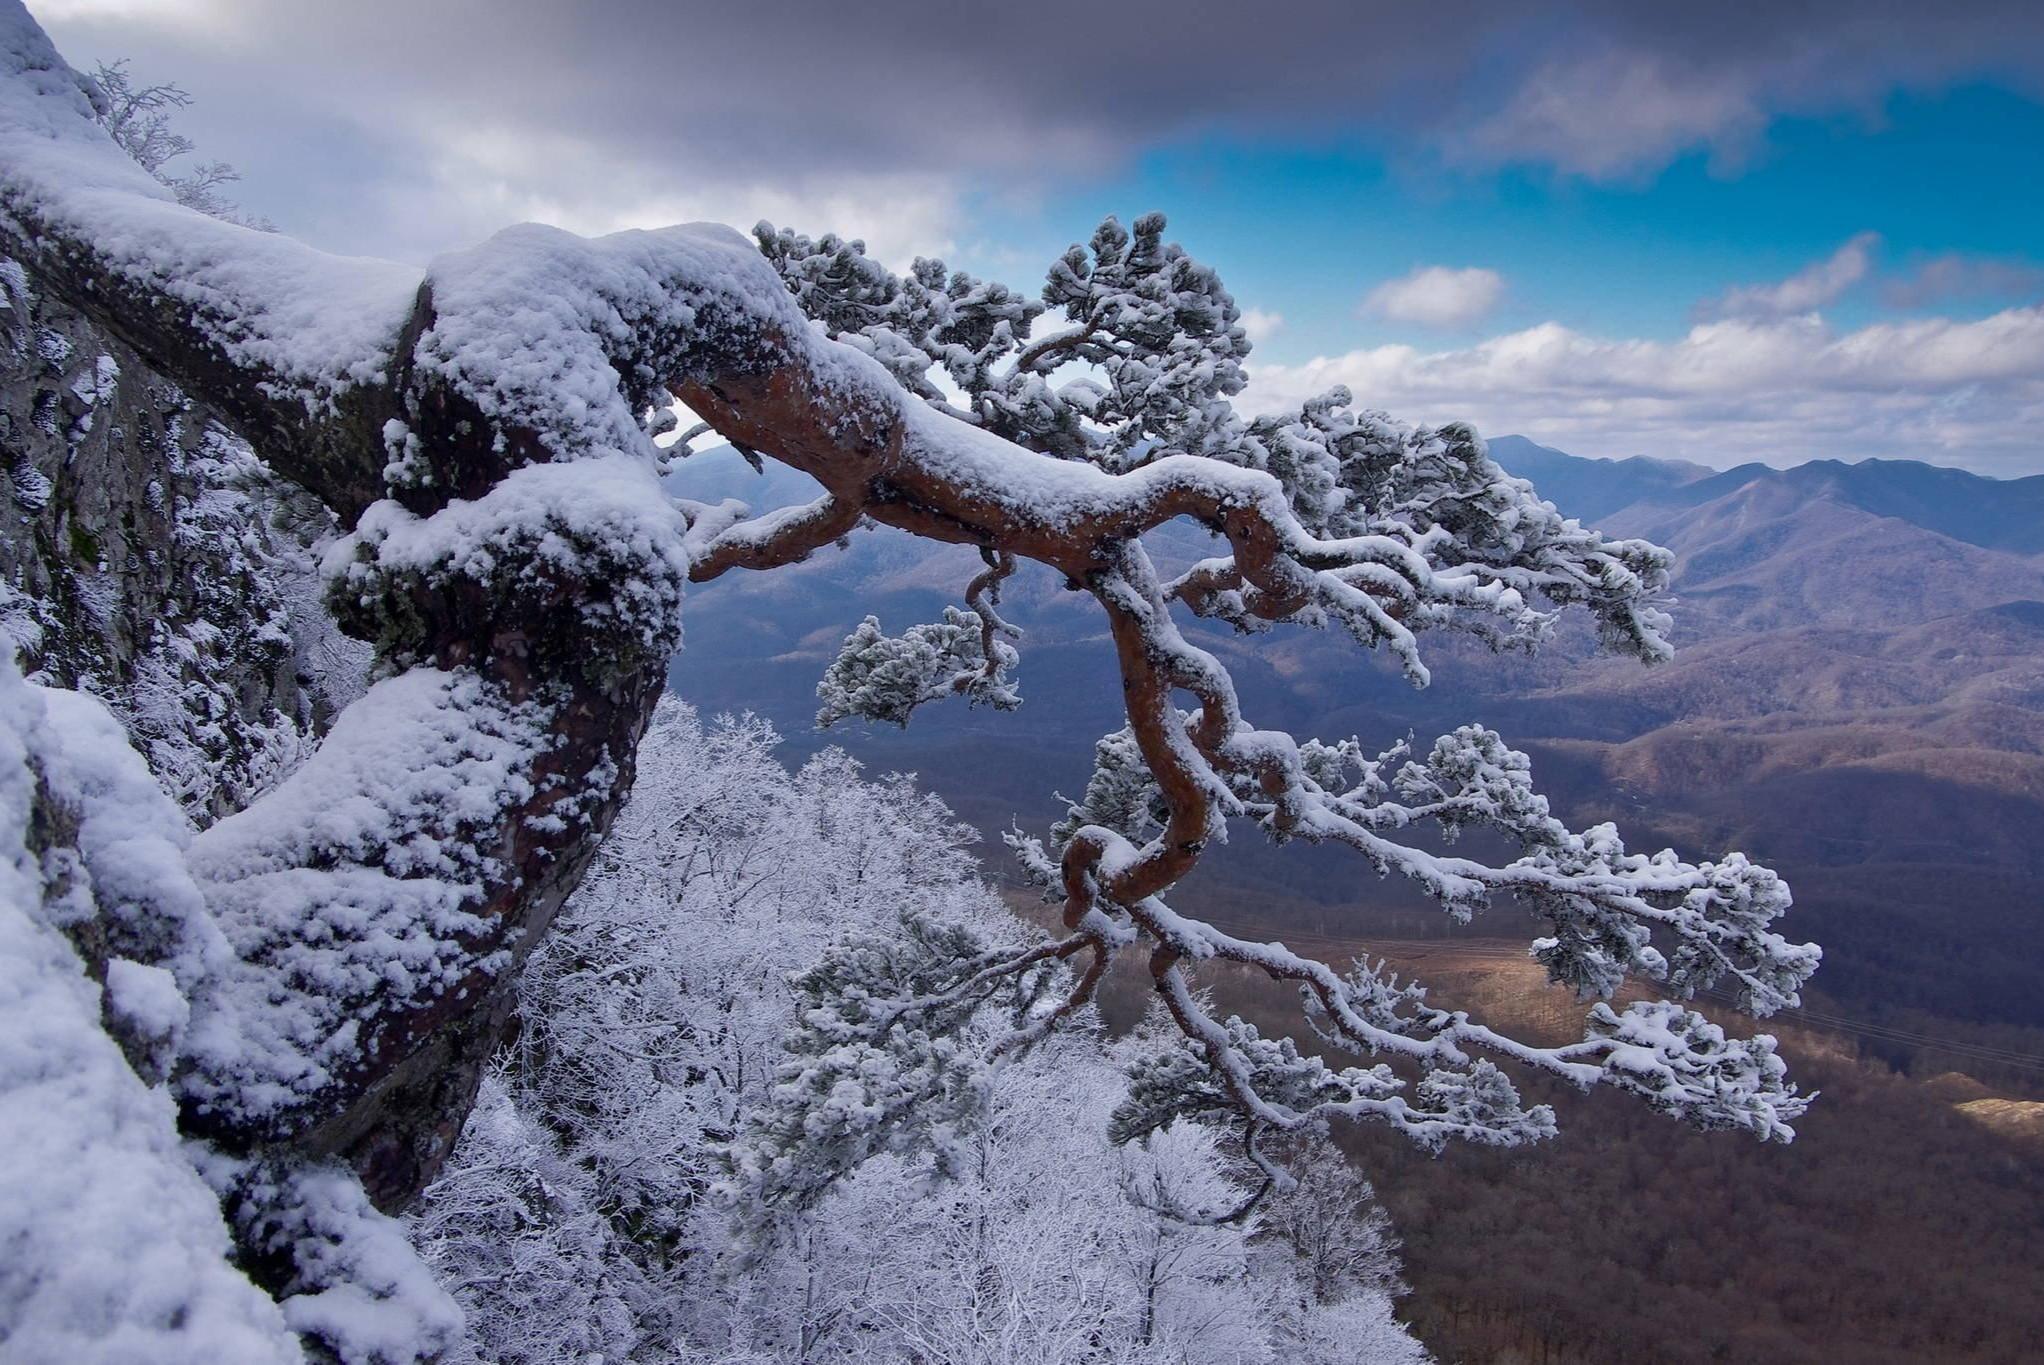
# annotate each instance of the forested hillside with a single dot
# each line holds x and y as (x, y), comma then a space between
(581, 1212)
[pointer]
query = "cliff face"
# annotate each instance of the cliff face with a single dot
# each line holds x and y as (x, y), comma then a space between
(149, 558)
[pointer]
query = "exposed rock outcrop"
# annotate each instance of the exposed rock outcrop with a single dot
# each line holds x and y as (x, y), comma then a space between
(148, 557)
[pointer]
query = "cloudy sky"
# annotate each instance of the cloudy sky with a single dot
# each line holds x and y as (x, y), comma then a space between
(1774, 231)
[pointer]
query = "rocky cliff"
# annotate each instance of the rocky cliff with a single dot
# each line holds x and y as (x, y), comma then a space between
(147, 556)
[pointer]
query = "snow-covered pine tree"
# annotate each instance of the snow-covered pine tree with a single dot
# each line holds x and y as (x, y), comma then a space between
(483, 433)
(1328, 516)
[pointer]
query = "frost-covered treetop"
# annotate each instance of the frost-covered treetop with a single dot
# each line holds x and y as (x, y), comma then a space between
(483, 429)
(1143, 370)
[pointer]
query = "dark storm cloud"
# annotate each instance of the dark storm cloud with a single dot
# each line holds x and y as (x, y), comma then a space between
(527, 97)
(911, 81)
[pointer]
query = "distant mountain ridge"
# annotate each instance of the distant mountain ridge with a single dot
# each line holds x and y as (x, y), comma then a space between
(1995, 514)
(1593, 489)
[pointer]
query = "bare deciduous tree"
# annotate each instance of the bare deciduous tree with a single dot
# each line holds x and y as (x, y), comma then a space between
(138, 117)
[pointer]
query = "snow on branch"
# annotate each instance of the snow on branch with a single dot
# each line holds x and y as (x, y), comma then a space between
(591, 552)
(878, 677)
(723, 538)
(355, 895)
(881, 677)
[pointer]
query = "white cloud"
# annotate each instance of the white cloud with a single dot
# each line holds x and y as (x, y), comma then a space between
(1615, 114)
(1956, 275)
(1813, 287)
(1261, 325)
(1780, 390)
(489, 179)
(1436, 296)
